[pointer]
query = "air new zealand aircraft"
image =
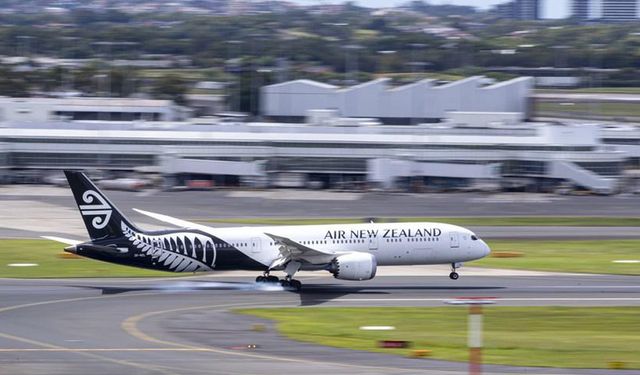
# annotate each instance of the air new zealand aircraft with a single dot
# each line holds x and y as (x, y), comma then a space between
(348, 251)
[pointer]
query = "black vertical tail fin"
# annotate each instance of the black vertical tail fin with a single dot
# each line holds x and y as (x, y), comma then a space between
(101, 217)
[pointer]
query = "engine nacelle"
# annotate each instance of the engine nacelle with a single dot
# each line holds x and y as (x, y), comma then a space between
(354, 266)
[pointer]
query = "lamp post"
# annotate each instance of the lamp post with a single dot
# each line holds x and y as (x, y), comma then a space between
(259, 106)
(474, 335)
(382, 67)
(351, 72)
(238, 79)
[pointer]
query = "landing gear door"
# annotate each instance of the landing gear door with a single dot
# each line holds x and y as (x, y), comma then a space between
(454, 240)
(256, 245)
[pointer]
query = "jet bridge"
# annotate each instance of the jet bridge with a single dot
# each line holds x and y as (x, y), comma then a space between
(583, 177)
(386, 171)
(249, 171)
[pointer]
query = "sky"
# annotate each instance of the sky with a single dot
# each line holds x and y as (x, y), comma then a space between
(550, 8)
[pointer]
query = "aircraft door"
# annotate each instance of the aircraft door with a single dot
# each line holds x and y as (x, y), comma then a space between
(373, 243)
(256, 245)
(454, 240)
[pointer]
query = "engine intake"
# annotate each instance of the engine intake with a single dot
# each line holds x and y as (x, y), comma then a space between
(354, 266)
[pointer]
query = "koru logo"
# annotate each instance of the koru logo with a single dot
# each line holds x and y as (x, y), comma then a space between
(100, 209)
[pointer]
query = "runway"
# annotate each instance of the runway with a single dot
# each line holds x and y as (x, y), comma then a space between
(23, 211)
(183, 326)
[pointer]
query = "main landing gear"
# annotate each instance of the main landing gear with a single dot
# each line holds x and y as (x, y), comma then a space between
(288, 281)
(454, 275)
(266, 278)
(291, 283)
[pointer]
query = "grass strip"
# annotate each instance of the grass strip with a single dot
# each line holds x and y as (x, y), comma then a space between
(46, 254)
(577, 337)
(588, 256)
(594, 256)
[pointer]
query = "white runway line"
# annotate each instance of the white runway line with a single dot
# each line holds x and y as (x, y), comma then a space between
(303, 195)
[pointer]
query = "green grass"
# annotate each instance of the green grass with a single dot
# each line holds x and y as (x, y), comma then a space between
(559, 256)
(595, 256)
(50, 264)
(464, 221)
(525, 336)
(602, 109)
(594, 90)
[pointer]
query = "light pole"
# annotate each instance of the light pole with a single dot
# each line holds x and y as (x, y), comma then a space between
(349, 61)
(254, 53)
(594, 81)
(238, 77)
(474, 335)
(384, 53)
(260, 103)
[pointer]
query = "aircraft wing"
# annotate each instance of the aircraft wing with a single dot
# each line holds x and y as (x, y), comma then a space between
(174, 221)
(292, 250)
(62, 240)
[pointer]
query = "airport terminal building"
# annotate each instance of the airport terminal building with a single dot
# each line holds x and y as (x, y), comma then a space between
(469, 134)
(449, 155)
(418, 102)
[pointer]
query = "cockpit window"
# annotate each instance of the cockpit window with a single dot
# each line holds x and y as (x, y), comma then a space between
(473, 237)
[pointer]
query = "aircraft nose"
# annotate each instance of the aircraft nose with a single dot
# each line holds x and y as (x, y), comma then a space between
(486, 250)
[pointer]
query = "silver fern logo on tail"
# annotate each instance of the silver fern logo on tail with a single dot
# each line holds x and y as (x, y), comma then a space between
(177, 252)
(100, 209)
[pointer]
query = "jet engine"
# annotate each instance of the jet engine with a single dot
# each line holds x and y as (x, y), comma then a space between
(354, 266)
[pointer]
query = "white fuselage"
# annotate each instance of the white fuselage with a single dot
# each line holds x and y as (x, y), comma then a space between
(390, 243)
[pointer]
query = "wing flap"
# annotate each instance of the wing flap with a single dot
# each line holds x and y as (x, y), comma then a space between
(292, 250)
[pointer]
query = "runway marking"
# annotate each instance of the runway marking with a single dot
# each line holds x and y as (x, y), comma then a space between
(94, 349)
(22, 264)
(86, 354)
(130, 325)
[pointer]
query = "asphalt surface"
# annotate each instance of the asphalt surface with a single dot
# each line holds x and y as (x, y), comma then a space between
(30, 211)
(169, 326)
(295, 203)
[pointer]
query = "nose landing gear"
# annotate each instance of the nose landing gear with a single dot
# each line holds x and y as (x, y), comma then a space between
(454, 275)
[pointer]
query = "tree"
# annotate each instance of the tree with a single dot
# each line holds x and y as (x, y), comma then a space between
(171, 86)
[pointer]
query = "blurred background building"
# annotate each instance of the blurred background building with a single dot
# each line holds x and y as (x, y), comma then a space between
(414, 97)
(606, 10)
(520, 9)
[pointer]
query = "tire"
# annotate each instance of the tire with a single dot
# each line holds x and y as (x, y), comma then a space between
(454, 276)
(260, 279)
(272, 279)
(284, 283)
(295, 284)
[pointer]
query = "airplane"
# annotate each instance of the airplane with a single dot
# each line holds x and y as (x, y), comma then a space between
(348, 251)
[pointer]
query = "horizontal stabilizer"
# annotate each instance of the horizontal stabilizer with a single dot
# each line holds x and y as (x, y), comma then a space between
(62, 240)
(174, 221)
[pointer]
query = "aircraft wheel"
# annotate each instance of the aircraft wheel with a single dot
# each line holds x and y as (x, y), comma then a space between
(285, 283)
(260, 279)
(272, 279)
(454, 276)
(295, 284)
